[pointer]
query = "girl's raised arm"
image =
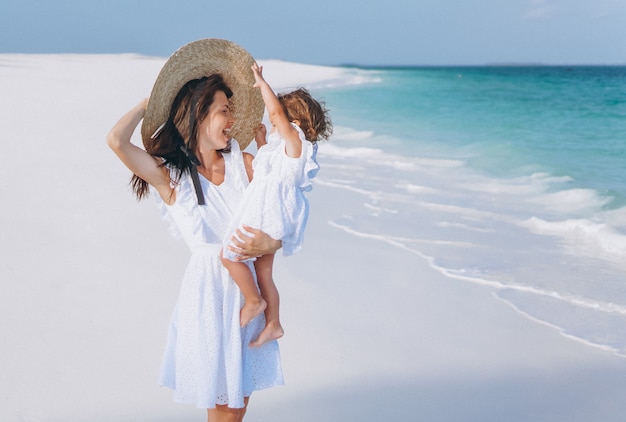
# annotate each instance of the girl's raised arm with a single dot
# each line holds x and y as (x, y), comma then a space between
(277, 115)
(136, 159)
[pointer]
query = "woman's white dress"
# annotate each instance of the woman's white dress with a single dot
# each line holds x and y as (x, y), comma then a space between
(207, 360)
(275, 202)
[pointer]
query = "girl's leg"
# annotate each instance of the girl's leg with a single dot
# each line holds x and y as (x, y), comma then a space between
(254, 304)
(222, 413)
(273, 329)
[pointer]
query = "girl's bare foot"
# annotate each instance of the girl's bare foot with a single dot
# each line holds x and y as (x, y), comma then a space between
(251, 309)
(272, 331)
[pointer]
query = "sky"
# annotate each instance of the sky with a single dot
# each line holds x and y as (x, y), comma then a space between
(329, 32)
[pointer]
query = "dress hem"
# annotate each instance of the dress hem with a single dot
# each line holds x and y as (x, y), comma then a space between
(199, 406)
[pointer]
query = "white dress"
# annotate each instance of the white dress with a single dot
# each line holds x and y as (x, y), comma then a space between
(274, 201)
(207, 360)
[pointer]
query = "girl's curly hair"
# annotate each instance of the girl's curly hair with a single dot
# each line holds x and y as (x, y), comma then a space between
(312, 114)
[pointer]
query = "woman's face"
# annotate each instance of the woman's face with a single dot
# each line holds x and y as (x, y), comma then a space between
(214, 130)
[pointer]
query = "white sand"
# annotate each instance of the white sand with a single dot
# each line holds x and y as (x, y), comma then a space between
(89, 278)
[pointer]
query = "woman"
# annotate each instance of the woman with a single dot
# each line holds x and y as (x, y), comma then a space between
(197, 174)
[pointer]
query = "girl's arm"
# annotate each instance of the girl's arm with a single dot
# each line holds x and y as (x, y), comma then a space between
(277, 116)
(136, 159)
(260, 135)
(259, 138)
(247, 161)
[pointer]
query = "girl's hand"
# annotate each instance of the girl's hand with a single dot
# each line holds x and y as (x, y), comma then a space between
(257, 71)
(255, 244)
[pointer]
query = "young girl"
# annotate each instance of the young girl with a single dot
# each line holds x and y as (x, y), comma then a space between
(274, 201)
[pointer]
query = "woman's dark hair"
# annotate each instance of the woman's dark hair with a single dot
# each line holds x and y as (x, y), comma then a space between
(312, 114)
(176, 141)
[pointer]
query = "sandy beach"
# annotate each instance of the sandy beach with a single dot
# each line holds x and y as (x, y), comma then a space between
(90, 277)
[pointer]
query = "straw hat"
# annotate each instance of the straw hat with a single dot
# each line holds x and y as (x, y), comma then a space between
(203, 58)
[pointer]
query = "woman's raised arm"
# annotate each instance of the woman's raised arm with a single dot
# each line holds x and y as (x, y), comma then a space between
(136, 159)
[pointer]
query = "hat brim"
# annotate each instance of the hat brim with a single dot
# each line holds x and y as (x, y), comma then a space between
(199, 59)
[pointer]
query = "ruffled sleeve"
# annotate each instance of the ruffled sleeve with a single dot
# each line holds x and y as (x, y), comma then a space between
(309, 155)
(182, 217)
(311, 167)
(172, 228)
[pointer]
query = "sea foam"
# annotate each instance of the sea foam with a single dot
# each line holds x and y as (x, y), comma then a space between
(521, 236)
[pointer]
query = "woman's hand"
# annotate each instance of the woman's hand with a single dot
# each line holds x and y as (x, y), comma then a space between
(254, 244)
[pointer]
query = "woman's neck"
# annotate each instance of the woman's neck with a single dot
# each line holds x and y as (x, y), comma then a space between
(211, 165)
(208, 157)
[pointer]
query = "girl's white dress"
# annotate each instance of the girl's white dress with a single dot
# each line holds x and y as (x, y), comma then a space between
(207, 360)
(274, 201)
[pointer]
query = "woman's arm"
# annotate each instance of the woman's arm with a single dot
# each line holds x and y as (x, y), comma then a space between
(136, 159)
(257, 244)
(277, 116)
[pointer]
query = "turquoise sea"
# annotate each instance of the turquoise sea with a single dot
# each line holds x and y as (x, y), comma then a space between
(510, 176)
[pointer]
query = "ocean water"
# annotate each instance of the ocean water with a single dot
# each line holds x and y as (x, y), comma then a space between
(513, 177)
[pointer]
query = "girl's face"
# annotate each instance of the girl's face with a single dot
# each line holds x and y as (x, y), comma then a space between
(214, 130)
